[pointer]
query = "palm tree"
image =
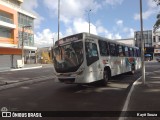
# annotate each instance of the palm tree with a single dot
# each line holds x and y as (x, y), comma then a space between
(157, 24)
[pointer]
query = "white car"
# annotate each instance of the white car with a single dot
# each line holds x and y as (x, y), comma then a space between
(158, 59)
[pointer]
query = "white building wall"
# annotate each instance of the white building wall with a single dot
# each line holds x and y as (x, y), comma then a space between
(156, 41)
(129, 41)
(156, 44)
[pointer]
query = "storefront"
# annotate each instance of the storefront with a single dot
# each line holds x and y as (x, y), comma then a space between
(156, 53)
(9, 57)
(149, 53)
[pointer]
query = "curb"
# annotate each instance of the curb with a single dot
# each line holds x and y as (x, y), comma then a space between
(125, 107)
(27, 68)
(28, 82)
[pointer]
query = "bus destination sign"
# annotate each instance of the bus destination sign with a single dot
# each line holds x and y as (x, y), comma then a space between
(69, 39)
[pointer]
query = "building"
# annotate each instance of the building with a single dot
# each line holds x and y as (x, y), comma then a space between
(147, 36)
(129, 41)
(16, 25)
(148, 44)
(156, 43)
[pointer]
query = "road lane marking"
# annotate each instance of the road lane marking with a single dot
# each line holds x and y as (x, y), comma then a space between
(91, 90)
(125, 107)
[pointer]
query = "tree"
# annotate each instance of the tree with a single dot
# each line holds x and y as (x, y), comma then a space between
(157, 24)
(157, 1)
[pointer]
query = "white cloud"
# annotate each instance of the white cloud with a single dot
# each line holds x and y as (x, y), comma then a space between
(119, 22)
(117, 36)
(81, 25)
(74, 16)
(45, 38)
(71, 9)
(145, 14)
(113, 2)
(151, 4)
(110, 35)
(152, 9)
(131, 32)
(30, 6)
(101, 29)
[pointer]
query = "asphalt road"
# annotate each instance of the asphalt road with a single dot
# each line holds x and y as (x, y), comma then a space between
(51, 96)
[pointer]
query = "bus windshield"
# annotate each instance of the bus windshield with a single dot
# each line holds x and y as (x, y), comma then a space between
(68, 57)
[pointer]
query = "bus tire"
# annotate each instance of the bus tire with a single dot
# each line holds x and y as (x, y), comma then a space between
(105, 77)
(132, 70)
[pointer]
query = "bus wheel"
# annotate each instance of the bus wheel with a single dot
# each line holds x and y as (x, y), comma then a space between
(105, 77)
(132, 70)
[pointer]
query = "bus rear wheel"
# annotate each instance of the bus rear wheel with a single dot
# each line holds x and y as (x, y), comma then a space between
(105, 77)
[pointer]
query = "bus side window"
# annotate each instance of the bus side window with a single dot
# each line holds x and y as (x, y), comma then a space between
(126, 51)
(91, 53)
(103, 48)
(112, 48)
(135, 52)
(120, 51)
(131, 52)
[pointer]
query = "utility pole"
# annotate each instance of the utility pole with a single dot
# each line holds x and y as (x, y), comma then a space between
(142, 45)
(23, 28)
(58, 17)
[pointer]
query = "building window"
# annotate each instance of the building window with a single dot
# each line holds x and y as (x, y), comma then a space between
(154, 39)
(4, 32)
(25, 20)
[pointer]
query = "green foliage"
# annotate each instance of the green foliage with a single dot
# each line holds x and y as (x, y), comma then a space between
(157, 24)
(157, 1)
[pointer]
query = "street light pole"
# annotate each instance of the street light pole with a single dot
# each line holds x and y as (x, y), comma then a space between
(142, 45)
(89, 19)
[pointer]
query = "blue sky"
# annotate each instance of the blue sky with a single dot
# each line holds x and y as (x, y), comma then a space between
(114, 19)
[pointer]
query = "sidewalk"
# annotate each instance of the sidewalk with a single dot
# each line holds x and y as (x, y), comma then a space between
(26, 66)
(146, 97)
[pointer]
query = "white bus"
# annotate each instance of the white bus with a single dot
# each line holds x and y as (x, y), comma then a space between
(85, 58)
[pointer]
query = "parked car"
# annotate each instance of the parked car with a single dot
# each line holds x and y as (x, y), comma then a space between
(158, 59)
